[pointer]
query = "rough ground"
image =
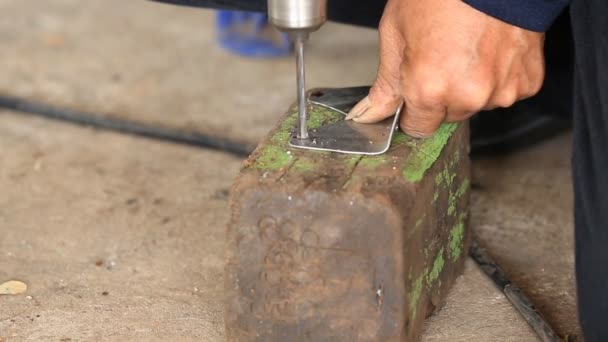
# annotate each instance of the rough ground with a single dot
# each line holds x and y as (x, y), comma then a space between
(160, 63)
(522, 213)
(121, 238)
(118, 239)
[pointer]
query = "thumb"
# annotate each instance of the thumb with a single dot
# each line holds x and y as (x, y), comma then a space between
(384, 96)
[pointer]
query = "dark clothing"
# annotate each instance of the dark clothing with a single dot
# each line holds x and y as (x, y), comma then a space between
(533, 15)
(558, 45)
(237, 5)
(357, 12)
(590, 164)
(590, 159)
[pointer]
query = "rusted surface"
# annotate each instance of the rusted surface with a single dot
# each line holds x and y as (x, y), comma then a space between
(330, 247)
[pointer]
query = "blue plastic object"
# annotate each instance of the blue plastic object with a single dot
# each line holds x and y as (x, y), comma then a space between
(248, 34)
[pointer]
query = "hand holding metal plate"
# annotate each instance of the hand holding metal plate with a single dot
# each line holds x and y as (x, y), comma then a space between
(347, 136)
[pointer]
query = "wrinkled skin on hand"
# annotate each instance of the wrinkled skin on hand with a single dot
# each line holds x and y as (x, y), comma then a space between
(447, 61)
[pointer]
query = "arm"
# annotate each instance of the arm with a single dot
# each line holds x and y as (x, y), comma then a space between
(447, 60)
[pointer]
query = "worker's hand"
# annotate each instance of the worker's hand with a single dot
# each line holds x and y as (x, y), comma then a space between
(447, 61)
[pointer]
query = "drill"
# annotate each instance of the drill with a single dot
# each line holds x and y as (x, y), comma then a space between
(298, 18)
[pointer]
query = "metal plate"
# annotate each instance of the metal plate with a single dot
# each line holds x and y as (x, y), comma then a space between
(347, 136)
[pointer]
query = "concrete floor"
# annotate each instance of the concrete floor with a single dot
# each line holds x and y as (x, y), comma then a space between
(160, 63)
(121, 238)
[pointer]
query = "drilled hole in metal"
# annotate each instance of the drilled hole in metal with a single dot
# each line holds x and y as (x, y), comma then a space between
(317, 94)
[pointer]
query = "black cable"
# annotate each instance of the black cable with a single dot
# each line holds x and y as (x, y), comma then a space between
(125, 126)
(517, 298)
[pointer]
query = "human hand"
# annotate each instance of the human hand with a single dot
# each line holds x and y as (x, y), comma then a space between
(447, 61)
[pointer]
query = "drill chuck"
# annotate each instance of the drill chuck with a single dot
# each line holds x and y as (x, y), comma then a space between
(297, 15)
(298, 18)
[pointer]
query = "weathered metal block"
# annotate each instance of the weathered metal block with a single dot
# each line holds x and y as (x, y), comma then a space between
(332, 247)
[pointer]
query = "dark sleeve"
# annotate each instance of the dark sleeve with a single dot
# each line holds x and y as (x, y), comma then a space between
(533, 15)
(240, 5)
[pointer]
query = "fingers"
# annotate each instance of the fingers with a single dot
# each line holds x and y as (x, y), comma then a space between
(384, 97)
(421, 122)
(517, 85)
(442, 74)
(424, 92)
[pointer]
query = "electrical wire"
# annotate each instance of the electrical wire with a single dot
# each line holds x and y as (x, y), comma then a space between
(518, 299)
(25, 106)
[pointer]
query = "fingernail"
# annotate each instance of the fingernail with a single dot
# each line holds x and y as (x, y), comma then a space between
(369, 115)
(358, 109)
(363, 115)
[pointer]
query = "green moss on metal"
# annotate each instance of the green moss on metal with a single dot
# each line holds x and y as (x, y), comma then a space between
(321, 116)
(428, 277)
(451, 207)
(427, 152)
(439, 179)
(282, 135)
(424, 152)
(464, 186)
(455, 196)
(272, 157)
(436, 269)
(400, 138)
(276, 154)
(446, 177)
(435, 196)
(414, 295)
(456, 237)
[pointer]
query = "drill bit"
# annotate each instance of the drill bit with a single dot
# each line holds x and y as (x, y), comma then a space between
(298, 18)
(300, 39)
